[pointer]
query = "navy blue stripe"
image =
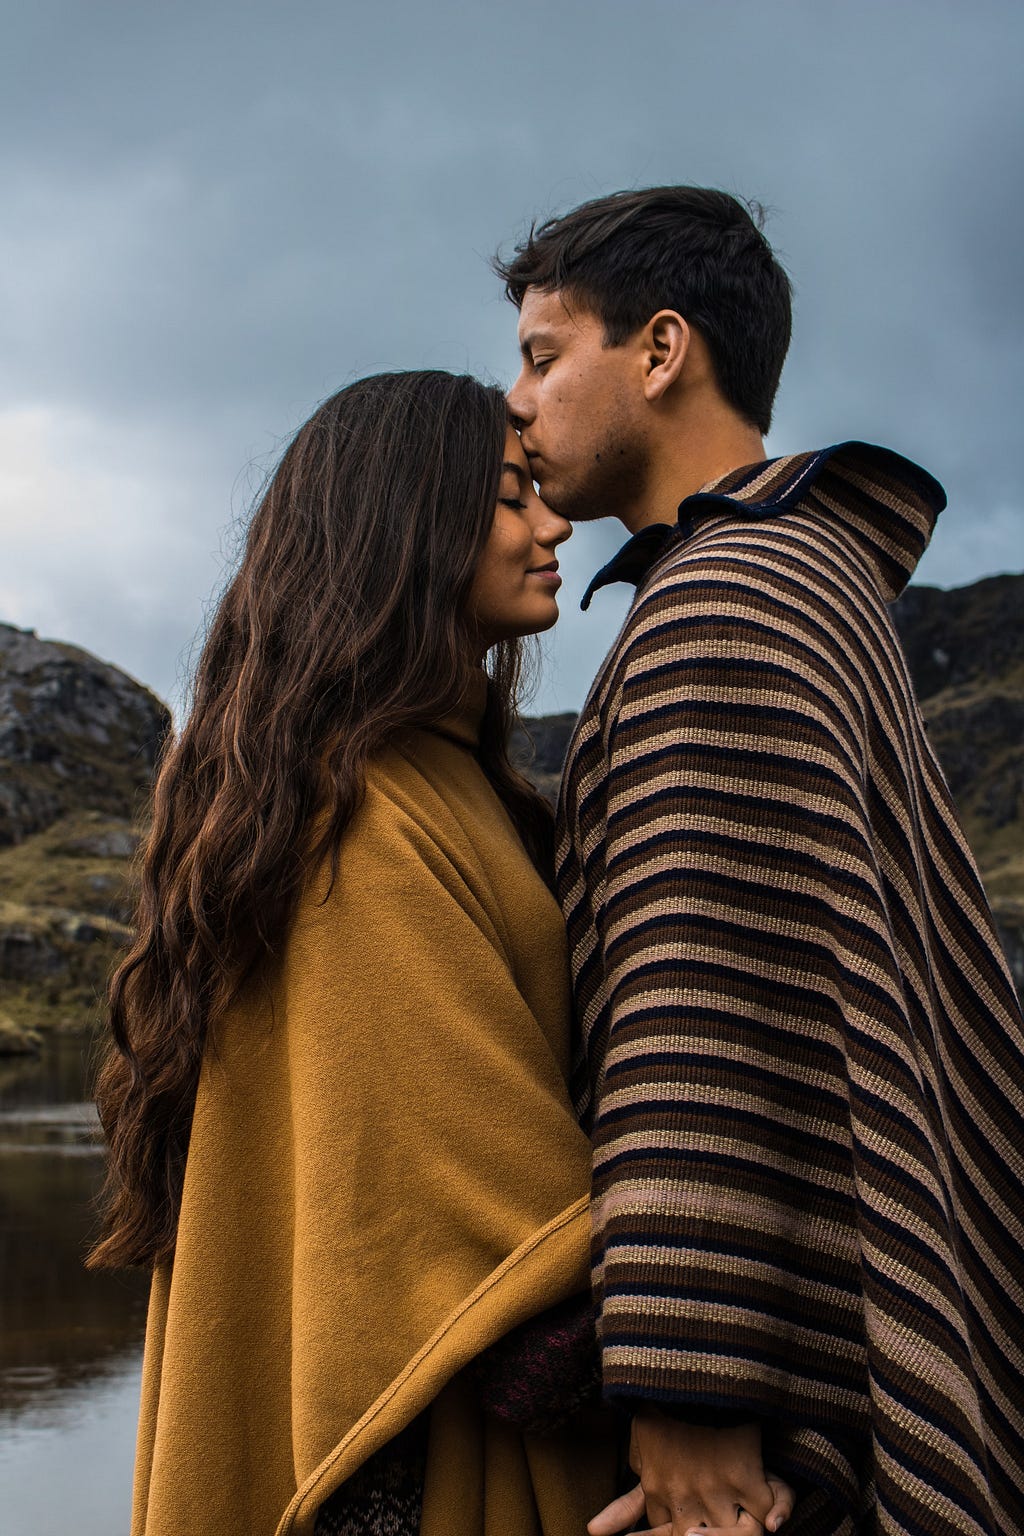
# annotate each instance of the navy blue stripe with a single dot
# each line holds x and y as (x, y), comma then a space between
(753, 897)
(911, 1304)
(698, 969)
(722, 1348)
(697, 925)
(929, 1412)
(760, 1079)
(831, 1276)
(736, 672)
(709, 757)
(787, 1181)
(816, 1055)
(790, 1309)
(684, 835)
(816, 579)
(758, 807)
(871, 654)
(927, 1205)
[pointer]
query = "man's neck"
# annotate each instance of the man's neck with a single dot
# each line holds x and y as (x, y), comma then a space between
(693, 456)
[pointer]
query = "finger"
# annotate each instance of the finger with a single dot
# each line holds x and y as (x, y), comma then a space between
(782, 1508)
(743, 1525)
(659, 1516)
(743, 1529)
(634, 1448)
(619, 1515)
(726, 1512)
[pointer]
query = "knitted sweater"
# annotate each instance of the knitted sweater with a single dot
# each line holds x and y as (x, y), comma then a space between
(384, 1176)
(801, 1058)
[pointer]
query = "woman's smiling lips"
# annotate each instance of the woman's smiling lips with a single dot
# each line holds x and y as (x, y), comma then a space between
(547, 573)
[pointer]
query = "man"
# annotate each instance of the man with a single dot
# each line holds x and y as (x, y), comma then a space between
(801, 1059)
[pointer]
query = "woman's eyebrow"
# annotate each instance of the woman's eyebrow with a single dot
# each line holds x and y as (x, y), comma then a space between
(513, 468)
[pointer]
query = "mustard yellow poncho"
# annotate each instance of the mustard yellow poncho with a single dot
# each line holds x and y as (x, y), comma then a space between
(384, 1177)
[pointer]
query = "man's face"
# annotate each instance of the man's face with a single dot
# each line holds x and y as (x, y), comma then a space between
(579, 406)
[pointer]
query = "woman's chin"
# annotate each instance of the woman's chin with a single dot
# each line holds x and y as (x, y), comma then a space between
(522, 628)
(541, 624)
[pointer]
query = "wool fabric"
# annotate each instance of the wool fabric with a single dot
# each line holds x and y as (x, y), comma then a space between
(801, 1057)
(385, 1175)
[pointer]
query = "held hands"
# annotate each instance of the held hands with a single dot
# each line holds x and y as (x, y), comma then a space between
(696, 1479)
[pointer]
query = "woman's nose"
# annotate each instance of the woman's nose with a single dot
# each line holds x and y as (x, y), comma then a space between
(556, 530)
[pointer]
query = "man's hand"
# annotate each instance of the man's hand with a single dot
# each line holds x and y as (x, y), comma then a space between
(696, 1479)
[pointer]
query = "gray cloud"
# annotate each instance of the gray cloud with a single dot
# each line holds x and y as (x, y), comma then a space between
(215, 215)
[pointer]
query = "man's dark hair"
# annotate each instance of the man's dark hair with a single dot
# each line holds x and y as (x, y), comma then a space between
(691, 249)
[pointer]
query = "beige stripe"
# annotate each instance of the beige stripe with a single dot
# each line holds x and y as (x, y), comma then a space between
(725, 1318)
(660, 1196)
(674, 1363)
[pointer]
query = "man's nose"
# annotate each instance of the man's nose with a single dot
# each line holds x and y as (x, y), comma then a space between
(518, 404)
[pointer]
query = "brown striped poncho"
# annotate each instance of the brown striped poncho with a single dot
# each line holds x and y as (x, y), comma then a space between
(801, 1057)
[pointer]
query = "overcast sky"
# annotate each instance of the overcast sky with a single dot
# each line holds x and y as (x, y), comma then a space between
(215, 215)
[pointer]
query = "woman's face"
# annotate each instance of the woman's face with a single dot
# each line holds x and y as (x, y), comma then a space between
(516, 581)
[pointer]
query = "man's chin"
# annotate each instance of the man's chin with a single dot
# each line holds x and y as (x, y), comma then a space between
(577, 502)
(577, 509)
(558, 496)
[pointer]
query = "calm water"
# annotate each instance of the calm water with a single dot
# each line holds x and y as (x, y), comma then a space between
(70, 1342)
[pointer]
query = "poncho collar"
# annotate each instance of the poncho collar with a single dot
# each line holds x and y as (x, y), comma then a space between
(886, 502)
(464, 722)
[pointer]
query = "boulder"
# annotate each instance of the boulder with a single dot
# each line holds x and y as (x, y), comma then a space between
(18, 1039)
(75, 733)
(78, 743)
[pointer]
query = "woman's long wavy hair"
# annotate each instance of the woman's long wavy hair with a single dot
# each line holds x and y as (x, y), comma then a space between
(342, 628)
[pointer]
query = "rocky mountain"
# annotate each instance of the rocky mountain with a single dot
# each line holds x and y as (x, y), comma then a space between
(79, 740)
(965, 649)
(74, 733)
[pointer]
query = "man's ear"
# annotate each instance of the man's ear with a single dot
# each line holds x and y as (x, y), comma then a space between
(666, 343)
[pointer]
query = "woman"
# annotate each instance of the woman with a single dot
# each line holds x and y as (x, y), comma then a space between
(347, 1004)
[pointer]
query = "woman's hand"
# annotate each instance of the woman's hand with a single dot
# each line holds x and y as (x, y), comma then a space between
(694, 1478)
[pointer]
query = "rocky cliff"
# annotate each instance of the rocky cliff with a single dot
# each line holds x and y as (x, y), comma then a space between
(78, 742)
(965, 649)
(79, 739)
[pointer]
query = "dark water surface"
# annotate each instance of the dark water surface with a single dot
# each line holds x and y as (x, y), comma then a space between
(70, 1341)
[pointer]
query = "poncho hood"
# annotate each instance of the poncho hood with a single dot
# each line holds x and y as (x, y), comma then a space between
(884, 504)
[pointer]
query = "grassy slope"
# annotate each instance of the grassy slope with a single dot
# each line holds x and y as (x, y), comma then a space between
(62, 919)
(977, 735)
(65, 897)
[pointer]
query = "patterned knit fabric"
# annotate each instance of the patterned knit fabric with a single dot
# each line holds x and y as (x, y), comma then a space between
(801, 1056)
(545, 1372)
(385, 1496)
